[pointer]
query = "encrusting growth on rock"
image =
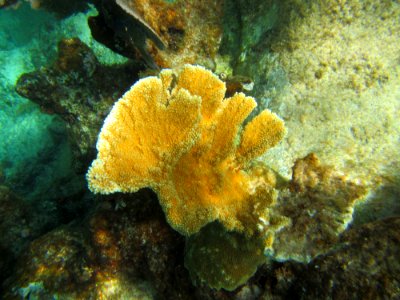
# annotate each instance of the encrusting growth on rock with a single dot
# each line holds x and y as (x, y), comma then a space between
(319, 201)
(178, 135)
(222, 259)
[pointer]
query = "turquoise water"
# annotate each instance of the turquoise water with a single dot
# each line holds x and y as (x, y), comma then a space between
(35, 151)
(34, 148)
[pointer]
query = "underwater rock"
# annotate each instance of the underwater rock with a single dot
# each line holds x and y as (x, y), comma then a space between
(134, 239)
(56, 264)
(330, 70)
(191, 30)
(246, 23)
(342, 91)
(15, 223)
(17, 228)
(123, 250)
(319, 203)
(364, 265)
(79, 89)
(21, 222)
(312, 210)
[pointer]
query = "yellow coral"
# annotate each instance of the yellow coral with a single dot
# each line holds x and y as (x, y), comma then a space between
(178, 135)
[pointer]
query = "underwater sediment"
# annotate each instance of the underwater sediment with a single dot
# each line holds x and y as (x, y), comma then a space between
(241, 149)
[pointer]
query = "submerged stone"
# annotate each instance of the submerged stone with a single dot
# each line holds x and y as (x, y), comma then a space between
(124, 250)
(365, 265)
(80, 90)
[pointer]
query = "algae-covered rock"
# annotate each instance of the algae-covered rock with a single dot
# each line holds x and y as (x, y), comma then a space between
(16, 222)
(341, 100)
(123, 250)
(56, 263)
(18, 226)
(330, 69)
(328, 61)
(365, 265)
(79, 89)
(133, 241)
(177, 32)
(319, 203)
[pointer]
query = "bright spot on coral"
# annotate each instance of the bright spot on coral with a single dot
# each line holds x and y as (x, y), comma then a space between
(178, 135)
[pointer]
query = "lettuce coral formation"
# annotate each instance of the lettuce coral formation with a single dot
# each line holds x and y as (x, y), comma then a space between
(178, 135)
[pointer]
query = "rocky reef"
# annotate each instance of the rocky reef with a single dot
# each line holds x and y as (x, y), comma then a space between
(267, 132)
(124, 249)
(81, 90)
(322, 67)
(164, 34)
(365, 265)
(203, 169)
(320, 202)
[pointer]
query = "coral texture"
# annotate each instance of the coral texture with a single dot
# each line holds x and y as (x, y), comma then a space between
(191, 29)
(341, 62)
(319, 202)
(81, 90)
(124, 250)
(222, 259)
(364, 265)
(178, 135)
(58, 262)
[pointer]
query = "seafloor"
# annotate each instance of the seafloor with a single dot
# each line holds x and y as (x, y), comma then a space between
(254, 152)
